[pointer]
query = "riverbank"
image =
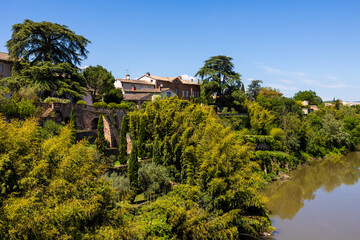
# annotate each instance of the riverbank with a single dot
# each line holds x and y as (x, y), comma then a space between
(322, 197)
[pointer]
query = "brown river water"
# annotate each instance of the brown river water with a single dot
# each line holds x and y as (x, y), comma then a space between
(321, 201)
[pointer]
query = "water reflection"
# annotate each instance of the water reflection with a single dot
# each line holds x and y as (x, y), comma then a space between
(286, 198)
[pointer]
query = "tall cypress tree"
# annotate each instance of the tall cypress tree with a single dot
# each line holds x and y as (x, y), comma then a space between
(156, 152)
(134, 166)
(123, 143)
(73, 124)
(142, 137)
(100, 140)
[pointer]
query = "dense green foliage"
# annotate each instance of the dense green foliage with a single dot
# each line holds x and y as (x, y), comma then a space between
(48, 80)
(133, 171)
(308, 96)
(123, 143)
(51, 188)
(99, 81)
(253, 89)
(45, 57)
(17, 108)
(46, 42)
(219, 78)
(114, 95)
(100, 141)
(198, 151)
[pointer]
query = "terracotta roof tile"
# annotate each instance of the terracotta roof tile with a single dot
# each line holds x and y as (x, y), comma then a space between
(154, 90)
(137, 97)
(135, 81)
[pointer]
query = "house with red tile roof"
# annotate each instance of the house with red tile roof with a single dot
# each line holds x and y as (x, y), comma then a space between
(143, 88)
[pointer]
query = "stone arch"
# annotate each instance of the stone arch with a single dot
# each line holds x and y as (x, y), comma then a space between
(94, 123)
(66, 120)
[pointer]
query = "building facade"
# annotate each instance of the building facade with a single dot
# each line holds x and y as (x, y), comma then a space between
(143, 88)
(5, 65)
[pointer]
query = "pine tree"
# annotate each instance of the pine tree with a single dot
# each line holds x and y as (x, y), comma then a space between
(123, 143)
(100, 140)
(133, 166)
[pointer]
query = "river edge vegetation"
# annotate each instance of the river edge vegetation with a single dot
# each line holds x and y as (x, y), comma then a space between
(204, 178)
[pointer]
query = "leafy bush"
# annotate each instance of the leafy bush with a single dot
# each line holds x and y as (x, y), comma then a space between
(153, 178)
(56, 100)
(115, 95)
(50, 129)
(113, 105)
(81, 102)
(100, 104)
(17, 109)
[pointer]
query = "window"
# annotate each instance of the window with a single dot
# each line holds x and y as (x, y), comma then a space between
(1, 67)
(187, 93)
(183, 93)
(176, 90)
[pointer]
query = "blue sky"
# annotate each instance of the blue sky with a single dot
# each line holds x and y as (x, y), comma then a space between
(290, 45)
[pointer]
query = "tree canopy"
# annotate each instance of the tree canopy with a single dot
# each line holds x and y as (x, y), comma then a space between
(253, 89)
(46, 41)
(98, 80)
(218, 77)
(308, 95)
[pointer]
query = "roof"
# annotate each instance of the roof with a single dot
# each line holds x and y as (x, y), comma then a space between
(137, 97)
(153, 90)
(135, 81)
(4, 57)
(171, 79)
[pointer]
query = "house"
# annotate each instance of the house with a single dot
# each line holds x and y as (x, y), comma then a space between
(5, 65)
(141, 89)
(183, 88)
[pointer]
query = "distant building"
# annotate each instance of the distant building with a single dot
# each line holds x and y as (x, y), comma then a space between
(142, 89)
(305, 103)
(5, 65)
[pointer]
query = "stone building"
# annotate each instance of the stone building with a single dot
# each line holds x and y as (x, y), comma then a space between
(5, 65)
(142, 89)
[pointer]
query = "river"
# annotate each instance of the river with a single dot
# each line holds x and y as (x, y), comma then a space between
(321, 201)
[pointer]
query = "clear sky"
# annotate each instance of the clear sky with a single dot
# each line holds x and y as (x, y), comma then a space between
(291, 45)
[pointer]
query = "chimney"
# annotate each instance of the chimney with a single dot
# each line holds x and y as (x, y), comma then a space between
(128, 76)
(180, 77)
(148, 74)
(192, 80)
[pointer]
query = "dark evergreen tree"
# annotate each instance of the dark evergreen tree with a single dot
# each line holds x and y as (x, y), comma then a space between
(133, 166)
(156, 152)
(142, 137)
(123, 143)
(73, 124)
(100, 140)
(218, 77)
(46, 41)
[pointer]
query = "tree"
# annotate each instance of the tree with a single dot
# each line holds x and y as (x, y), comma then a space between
(99, 81)
(115, 95)
(48, 80)
(308, 95)
(46, 41)
(134, 166)
(100, 140)
(142, 137)
(123, 143)
(217, 76)
(73, 124)
(253, 89)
